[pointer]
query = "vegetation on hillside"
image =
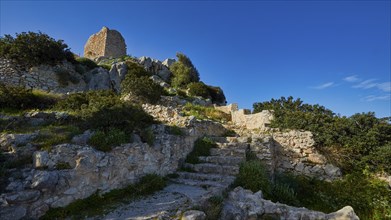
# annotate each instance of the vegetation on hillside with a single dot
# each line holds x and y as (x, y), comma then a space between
(355, 143)
(32, 49)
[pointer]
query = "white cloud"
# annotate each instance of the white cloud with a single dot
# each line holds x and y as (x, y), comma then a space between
(386, 86)
(324, 86)
(371, 98)
(367, 84)
(352, 79)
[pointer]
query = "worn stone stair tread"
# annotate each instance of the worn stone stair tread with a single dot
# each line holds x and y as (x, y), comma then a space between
(222, 160)
(213, 168)
(206, 176)
(232, 145)
(228, 152)
(200, 183)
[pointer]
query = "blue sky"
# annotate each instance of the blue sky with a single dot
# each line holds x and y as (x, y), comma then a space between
(333, 53)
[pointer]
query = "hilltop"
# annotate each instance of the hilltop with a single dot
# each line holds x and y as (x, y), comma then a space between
(117, 136)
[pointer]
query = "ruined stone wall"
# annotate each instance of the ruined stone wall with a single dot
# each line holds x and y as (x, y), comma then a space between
(294, 151)
(105, 43)
(227, 108)
(115, 45)
(42, 77)
(243, 118)
(96, 43)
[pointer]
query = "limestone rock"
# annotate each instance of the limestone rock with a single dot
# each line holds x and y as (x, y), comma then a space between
(99, 79)
(117, 74)
(168, 62)
(82, 139)
(44, 180)
(193, 215)
(105, 43)
(13, 212)
(243, 204)
(23, 197)
(155, 67)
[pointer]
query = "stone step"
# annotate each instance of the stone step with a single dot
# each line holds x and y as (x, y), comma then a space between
(232, 145)
(219, 139)
(222, 160)
(207, 177)
(200, 183)
(237, 152)
(213, 168)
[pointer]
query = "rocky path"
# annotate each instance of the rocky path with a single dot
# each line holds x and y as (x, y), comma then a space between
(211, 177)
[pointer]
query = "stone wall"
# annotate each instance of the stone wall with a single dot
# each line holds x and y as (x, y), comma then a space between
(293, 151)
(244, 119)
(105, 43)
(31, 192)
(48, 78)
(42, 77)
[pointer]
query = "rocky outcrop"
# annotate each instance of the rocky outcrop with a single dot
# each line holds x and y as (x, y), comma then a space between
(243, 204)
(155, 67)
(105, 43)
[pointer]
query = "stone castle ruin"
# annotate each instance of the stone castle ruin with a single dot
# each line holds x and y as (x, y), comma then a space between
(105, 43)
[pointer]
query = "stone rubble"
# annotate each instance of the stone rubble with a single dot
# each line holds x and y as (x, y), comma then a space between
(243, 204)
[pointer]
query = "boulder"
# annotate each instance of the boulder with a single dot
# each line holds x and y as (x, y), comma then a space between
(44, 180)
(168, 62)
(117, 74)
(98, 79)
(193, 215)
(243, 204)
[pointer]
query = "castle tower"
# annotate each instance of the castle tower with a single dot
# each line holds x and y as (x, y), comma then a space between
(105, 43)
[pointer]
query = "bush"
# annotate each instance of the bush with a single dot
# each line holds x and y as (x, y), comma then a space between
(136, 69)
(202, 147)
(141, 89)
(198, 89)
(217, 95)
(32, 49)
(86, 62)
(16, 97)
(202, 112)
(183, 71)
(103, 110)
(123, 116)
(253, 176)
(147, 136)
(104, 141)
(64, 77)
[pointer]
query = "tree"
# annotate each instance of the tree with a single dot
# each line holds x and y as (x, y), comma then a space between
(183, 71)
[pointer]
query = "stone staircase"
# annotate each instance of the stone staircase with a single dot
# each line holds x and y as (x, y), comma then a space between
(216, 172)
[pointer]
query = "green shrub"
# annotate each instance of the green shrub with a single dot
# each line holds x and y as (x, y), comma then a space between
(64, 77)
(97, 204)
(86, 62)
(198, 89)
(202, 112)
(202, 147)
(122, 116)
(147, 136)
(136, 69)
(105, 141)
(141, 89)
(183, 71)
(103, 110)
(63, 166)
(217, 95)
(175, 130)
(15, 97)
(32, 49)
(253, 176)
